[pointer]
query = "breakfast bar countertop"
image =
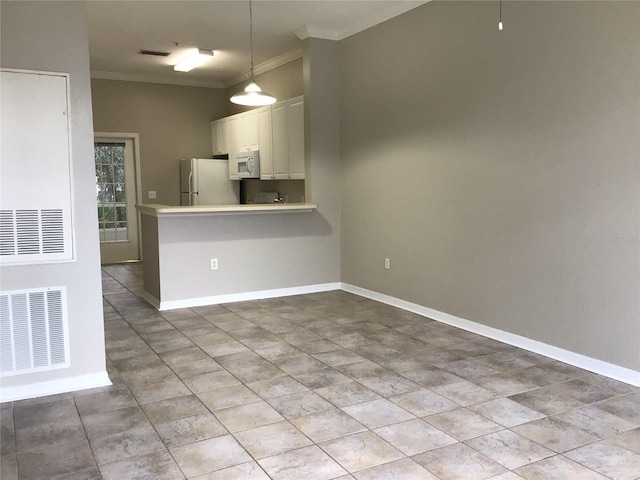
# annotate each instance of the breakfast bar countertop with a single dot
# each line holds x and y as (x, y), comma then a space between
(157, 210)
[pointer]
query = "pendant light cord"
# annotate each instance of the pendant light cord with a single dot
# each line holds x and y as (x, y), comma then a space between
(500, 8)
(251, 38)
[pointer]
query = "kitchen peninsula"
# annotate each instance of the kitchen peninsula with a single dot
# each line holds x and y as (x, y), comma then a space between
(202, 255)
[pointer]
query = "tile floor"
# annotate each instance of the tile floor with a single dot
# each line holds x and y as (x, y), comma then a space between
(321, 386)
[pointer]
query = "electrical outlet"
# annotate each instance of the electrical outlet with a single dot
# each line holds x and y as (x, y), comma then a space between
(387, 264)
(214, 264)
(152, 194)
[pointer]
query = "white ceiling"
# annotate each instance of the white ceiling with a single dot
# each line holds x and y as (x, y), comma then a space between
(118, 30)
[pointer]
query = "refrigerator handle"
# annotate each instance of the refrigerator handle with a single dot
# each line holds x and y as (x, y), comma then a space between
(192, 197)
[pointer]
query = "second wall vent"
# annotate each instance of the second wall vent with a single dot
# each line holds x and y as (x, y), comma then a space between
(33, 330)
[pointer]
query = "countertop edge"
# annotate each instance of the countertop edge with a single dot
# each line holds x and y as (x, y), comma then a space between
(156, 210)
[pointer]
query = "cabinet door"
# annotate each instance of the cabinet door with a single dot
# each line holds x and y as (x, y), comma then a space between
(280, 143)
(219, 136)
(221, 132)
(214, 137)
(295, 137)
(232, 130)
(265, 142)
(248, 131)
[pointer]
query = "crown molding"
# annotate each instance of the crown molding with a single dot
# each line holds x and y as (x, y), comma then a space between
(275, 62)
(132, 77)
(309, 31)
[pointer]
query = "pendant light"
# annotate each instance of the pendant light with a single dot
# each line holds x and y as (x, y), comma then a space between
(500, 26)
(252, 95)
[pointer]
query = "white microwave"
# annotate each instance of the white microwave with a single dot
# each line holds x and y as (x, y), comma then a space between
(249, 164)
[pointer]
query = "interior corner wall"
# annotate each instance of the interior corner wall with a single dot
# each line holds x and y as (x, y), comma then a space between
(52, 37)
(499, 171)
(173, 122)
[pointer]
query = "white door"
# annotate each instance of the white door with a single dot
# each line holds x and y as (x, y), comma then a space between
(116, 196)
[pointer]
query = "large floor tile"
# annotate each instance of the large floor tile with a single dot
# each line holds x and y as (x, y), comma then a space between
(174, 409)
(299, 404)
(414, 436)
(250, 415)
(377, 413)
(347, 394)
(509, 449)
(60, 460)
(506, 412)
(277, 387)
(114, 421)
(463, 424)
(403, 469)
(327, 425)
(423, 402)
(244, 471)
(458, 462)
(226, 397)
(596, 421)
(156, 466)
(612, 461)
(310, 463)
(190, 430)
(360, 451)
(558, 468)
(209, 455)
(130, 443)
(555, 434)
(272, 439)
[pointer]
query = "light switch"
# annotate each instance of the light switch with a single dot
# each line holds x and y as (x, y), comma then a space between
(152, 194)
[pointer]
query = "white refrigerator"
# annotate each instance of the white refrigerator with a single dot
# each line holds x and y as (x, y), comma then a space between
(205, 181)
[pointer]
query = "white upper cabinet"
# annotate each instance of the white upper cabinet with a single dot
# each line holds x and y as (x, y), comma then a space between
(265, 142)
(279, 119)
(219, 137)
(232, 127)
(247, 131)
(295, 137)
(276, 130)
(287, 153)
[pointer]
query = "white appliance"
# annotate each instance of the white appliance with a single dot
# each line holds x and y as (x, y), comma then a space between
(205, 181)
(249, 164)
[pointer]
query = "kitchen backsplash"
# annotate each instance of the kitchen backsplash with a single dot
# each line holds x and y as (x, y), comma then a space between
(291, 191)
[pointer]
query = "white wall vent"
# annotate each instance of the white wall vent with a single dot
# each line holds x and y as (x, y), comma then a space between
(31, 232)
(33, 330)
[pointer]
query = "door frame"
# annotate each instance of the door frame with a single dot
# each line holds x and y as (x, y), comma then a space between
(136, 162)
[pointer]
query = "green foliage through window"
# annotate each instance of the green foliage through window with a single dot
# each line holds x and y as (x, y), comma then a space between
(110, 191)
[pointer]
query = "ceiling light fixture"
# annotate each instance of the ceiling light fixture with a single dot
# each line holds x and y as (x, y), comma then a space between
(193, 59)
(500, 26)
(252, 95)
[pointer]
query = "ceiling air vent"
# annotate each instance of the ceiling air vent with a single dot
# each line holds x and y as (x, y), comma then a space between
(153, 53)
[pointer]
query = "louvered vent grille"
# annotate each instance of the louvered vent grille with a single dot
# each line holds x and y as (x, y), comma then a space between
(33, 330)
(31, 232)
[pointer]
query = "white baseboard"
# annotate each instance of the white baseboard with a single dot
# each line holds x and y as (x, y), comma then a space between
(241, 297)
(53, 387)
(600, 367)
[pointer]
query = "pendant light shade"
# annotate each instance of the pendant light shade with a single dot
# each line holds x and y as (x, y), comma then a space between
(252, 95)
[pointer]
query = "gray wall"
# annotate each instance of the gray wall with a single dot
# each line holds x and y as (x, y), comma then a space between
(499, 170)
(173, 122)
(57, 41)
